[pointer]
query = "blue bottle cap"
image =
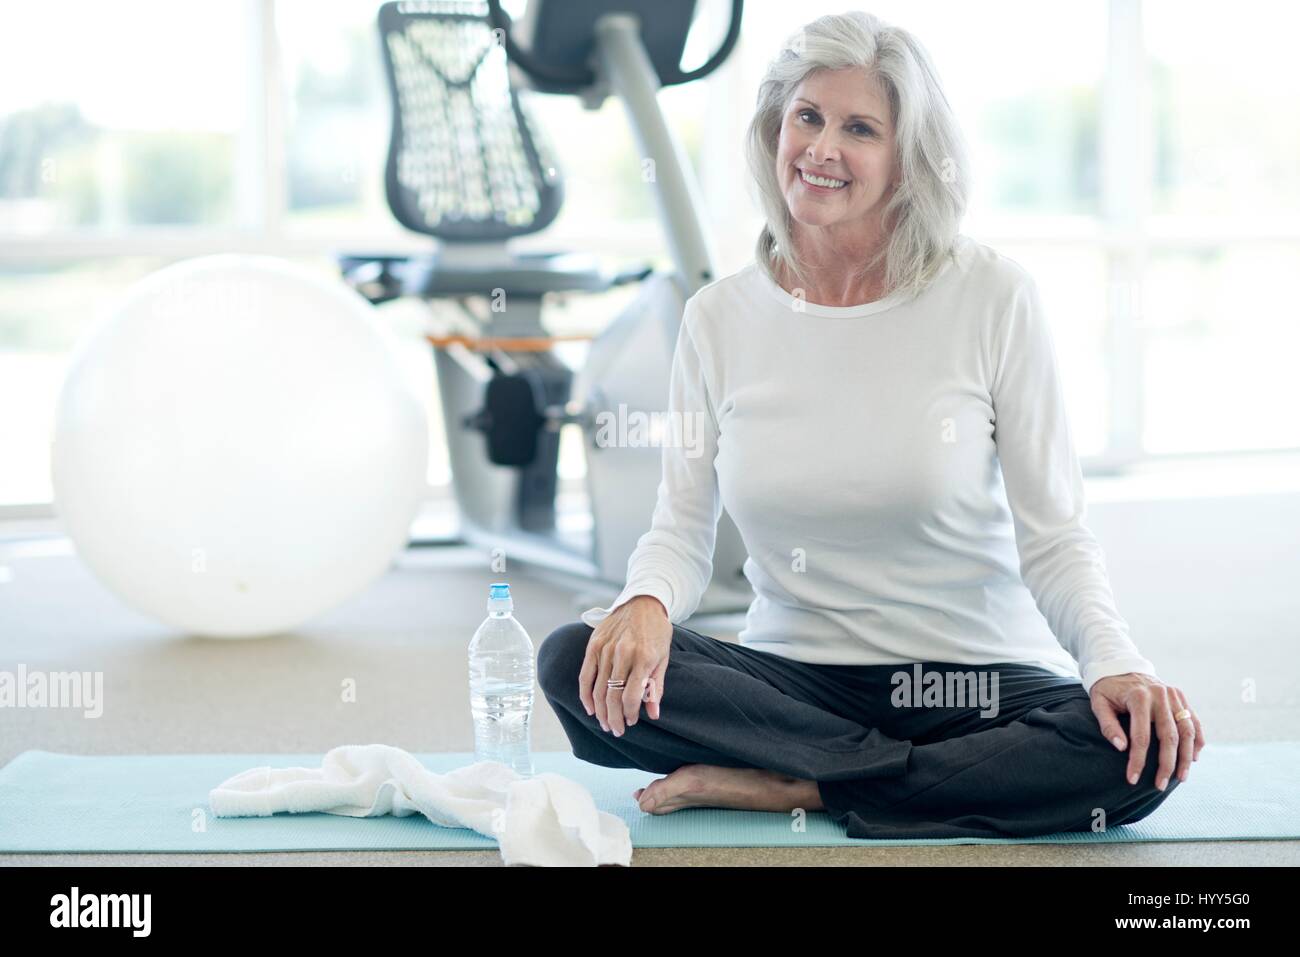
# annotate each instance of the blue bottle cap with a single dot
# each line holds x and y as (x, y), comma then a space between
(499, 590)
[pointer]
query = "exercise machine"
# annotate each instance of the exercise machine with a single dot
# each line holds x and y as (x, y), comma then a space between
(470, 166)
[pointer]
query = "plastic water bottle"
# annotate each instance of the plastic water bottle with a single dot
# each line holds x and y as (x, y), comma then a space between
(501, 674)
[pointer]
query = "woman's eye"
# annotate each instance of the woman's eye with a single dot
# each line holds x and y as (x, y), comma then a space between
(866, 130)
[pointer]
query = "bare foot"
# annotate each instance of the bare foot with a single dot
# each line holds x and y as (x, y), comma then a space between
(746, 789)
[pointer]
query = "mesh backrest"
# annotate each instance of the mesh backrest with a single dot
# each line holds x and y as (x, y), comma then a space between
(466, 160)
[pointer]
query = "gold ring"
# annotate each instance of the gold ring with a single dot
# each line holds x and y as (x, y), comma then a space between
(1182, 714)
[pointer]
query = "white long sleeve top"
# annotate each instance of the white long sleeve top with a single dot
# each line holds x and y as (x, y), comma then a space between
(902, 474)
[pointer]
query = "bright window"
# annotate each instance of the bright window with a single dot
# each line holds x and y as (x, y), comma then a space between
(1161, 227)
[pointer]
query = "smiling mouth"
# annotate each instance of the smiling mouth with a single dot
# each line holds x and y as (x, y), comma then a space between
(803, 179)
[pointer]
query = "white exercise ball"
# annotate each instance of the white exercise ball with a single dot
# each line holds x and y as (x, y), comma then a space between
(237, 447)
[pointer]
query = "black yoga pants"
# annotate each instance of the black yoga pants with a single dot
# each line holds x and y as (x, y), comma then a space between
(885, 768)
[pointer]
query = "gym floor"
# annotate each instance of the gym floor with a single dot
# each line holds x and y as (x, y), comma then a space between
(403, 640)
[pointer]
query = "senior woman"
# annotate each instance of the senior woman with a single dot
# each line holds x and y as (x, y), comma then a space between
(933, 649)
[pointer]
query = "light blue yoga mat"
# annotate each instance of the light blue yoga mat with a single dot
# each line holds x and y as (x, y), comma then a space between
(51, 802)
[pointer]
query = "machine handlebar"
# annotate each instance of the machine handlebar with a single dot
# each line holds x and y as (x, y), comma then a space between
(581, 78)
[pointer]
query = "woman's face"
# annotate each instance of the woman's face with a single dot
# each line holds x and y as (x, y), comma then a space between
(838, 125)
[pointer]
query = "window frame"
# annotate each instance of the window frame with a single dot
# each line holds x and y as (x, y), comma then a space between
(1126, 233)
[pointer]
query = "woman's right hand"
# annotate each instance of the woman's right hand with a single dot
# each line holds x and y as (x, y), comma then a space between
(631, 643)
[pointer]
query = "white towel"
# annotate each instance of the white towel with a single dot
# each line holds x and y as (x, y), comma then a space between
(545, 820)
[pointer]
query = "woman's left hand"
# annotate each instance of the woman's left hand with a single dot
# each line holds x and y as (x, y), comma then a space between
(1146, 699)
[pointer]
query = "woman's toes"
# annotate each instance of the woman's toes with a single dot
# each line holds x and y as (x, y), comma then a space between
(647, 799)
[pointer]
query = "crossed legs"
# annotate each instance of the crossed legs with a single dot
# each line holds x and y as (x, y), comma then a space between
(810, 736)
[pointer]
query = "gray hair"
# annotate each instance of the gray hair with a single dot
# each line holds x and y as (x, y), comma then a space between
(923, 216)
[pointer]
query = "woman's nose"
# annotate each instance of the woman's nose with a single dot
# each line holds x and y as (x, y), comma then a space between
(822, 148)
